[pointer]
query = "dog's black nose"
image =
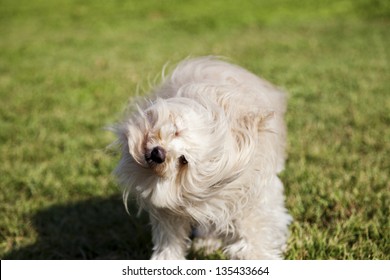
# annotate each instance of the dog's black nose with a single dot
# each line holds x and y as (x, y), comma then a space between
(158, 155)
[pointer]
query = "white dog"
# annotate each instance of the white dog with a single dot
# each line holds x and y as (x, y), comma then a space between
(204, 154)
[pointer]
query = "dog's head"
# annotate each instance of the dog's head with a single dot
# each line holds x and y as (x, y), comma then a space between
(176, 152)
(170, 137)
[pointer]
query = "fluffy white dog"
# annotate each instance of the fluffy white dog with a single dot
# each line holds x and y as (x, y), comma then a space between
(204, 154)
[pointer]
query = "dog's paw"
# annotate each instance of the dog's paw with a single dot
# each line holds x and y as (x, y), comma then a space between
(167, 254)
(206, 245)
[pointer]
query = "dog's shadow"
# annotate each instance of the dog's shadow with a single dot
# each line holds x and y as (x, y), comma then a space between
(93, 229)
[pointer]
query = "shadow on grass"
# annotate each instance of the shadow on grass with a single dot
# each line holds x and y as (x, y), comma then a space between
(92, 229)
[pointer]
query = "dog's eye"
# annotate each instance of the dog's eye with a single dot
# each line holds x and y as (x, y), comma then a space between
(183, 160)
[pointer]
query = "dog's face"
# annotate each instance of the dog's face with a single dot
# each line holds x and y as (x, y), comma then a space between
(172, 131)
(172, 151)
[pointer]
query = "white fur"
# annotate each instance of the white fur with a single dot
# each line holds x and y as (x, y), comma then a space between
(228, 124)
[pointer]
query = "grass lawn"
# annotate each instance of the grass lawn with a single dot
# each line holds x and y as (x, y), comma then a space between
(68, 68)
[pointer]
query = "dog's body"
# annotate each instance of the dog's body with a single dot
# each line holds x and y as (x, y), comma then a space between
(205, 154)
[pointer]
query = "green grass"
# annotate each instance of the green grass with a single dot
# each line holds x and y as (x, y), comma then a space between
(67, 69)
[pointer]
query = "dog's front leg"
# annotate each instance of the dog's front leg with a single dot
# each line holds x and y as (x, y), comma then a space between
(170, 235)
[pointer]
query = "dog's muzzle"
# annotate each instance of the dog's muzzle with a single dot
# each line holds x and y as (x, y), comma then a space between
(157, 155)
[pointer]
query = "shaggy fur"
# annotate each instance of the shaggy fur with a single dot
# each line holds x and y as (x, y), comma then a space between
(204, 154)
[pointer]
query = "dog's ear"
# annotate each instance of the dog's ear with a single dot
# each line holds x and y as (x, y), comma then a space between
(255, 122)
(246, 131)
